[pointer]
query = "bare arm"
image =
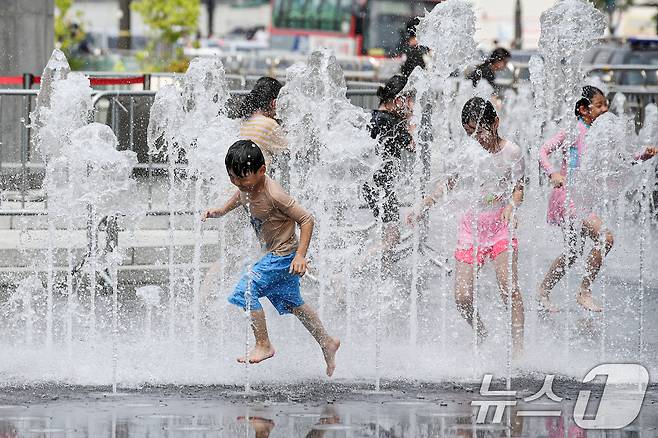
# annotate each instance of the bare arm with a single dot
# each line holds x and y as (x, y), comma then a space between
(647, 154)
(548, 148)
(439, 189)
(231, 204)
(305, 233)
(517, 195)
(288, 206)
(438, 192)
(515, 202)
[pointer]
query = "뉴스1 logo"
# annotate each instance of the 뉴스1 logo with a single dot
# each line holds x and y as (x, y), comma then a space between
(622, 397)
(620, 404)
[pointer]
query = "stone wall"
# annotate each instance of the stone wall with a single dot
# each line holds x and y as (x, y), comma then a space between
(26, 42)
(26, 35)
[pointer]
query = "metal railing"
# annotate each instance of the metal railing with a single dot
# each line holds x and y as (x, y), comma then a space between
(276, 63)
(626, 75)
(16, 164)
(125, 111)
(623, 75)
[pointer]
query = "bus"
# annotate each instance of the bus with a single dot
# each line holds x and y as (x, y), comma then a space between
(348, 27)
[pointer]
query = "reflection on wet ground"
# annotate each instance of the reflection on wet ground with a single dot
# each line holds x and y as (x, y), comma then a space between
(313, 409)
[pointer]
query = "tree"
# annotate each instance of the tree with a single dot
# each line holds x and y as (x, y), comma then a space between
(125, 38)
(614, 9)
(68, 34)
(170, 21)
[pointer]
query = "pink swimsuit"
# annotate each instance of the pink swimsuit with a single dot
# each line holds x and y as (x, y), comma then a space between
(571, 157)
(505, 168)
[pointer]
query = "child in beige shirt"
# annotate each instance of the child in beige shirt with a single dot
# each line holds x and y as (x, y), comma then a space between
(274, 215)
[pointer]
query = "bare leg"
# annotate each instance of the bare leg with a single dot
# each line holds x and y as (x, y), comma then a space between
(464, 297)
(263, 349)
(502, 275)
(391, 239)
(593, 228)
(574, 243)
(312, 322)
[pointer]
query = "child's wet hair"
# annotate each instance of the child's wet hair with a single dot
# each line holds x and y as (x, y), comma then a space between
(391, 89)
(261, 96)
(499, 54)
(586, 97)
(410, 31)
(479, 111)
(244, 157)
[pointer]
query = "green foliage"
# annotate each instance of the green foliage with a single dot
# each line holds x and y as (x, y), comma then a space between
(614, 9)
(607, 5)
(170, 20)
(67, 34)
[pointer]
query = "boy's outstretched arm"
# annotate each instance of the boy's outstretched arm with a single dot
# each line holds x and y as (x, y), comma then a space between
(231, 204)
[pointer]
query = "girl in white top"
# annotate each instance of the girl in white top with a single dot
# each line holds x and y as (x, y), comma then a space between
(493, 183)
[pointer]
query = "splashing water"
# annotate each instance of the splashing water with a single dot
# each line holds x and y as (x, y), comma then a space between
(568, 30)
(331, 158)
(188, 334)
(448, 30)
(66, 106)
(607, 167)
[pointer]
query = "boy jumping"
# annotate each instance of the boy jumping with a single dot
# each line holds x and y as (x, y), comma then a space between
(273, 214)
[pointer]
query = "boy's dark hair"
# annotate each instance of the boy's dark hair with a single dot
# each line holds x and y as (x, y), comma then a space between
(261, 96)
(410, 28)
(391, 88)
(480, 111)
(499, 54)
(586, 97)
(244, 157)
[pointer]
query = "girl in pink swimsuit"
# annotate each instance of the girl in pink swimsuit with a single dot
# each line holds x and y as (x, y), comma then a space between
(576, 225)
(498, 191)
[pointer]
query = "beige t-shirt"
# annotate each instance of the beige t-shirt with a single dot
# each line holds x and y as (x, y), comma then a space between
(273, 214)
(266, 133)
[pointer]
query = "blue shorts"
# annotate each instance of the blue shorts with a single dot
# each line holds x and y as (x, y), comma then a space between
(270, 278)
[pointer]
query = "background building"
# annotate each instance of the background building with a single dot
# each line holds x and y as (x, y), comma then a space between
(496, 18)
(26, 36)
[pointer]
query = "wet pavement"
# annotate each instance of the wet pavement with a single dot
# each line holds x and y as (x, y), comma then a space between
(310, 409)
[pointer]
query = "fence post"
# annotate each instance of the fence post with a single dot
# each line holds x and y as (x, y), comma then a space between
(147, 81)
(27, 81)
(111, 233)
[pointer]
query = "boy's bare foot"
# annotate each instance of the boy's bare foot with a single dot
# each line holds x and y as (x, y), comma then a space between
(585, 299)
(329, 351)
(545, 304)
(259, 354)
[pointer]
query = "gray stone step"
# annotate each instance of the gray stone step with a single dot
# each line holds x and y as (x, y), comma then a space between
(128, 275)
(142, 248)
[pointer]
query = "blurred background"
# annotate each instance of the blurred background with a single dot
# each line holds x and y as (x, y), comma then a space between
(162, 35)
